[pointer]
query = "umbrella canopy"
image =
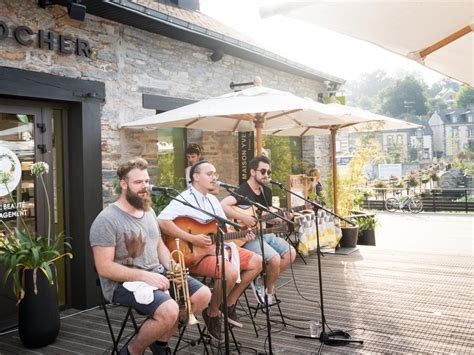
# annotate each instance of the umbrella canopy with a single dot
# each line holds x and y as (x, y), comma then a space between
(256, 107)
(350, 119)
(437, 34)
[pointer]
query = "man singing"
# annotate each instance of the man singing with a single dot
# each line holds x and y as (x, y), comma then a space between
(127, 246)
(278, 253)
(203, 180)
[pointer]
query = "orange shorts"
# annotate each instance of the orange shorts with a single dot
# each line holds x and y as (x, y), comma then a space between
(209, 267)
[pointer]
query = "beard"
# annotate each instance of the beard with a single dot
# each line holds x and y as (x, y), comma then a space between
(140, 203)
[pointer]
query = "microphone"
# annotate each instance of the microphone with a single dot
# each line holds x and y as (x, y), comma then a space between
(226, 186)
(156, 188)
(275, 182)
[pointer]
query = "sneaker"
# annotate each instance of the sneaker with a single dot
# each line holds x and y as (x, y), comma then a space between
(213, 325)
(124, 350)
(233, 317)
(270, 298)
(258, 289)
(159, 349)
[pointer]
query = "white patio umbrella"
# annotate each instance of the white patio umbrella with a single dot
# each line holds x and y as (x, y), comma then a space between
(436, 33)
(242, 111)
(350, 119)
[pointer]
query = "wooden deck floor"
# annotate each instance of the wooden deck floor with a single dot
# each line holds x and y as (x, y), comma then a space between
(396, 302)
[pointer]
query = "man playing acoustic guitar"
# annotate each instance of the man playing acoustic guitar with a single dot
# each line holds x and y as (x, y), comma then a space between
(198, 246)
(278, 253)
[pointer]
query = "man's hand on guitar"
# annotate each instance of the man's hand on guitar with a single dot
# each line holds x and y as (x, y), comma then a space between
(202, 240)
(156, 280)
(248, 221)
(250, 235)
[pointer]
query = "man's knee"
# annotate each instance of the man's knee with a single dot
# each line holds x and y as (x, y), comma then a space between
(274, 262)
(201, 297)
(167, 313)
(255, 262)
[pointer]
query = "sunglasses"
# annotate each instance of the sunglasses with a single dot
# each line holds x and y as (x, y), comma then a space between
(265, 171)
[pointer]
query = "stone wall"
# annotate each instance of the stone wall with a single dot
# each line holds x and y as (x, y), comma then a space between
(131, 62)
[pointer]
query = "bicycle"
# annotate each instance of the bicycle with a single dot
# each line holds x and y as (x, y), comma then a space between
(413, 204)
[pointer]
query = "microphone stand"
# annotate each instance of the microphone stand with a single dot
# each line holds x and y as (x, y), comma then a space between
(325, 338)
(261, 209)
(221, 222)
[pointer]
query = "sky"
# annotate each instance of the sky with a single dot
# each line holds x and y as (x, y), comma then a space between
(318, 48)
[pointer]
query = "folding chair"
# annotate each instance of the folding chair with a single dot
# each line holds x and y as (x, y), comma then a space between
(129, 316)
(253, 310)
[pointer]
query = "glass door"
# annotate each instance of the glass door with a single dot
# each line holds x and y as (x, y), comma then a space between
(26, 136)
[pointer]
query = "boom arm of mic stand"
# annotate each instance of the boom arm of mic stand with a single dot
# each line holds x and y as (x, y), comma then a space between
(316, 205)
(259, 206)
(220, 220)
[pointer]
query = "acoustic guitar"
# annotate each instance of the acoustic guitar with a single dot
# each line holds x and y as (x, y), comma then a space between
(252, 211)
(193, 254)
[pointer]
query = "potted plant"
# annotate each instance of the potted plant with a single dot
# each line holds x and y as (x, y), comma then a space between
(28, 259)
(367, 225)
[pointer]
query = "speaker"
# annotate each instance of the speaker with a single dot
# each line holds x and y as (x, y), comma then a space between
(217, 55)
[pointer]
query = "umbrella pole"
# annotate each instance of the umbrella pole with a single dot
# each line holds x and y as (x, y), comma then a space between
(258, 126)
(334, 167)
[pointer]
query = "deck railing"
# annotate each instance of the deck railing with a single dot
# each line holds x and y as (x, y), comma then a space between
(434, 200)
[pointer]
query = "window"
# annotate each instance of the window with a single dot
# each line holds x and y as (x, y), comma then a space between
(399, 139)
(471, 132)
(455, 132)
(389, 140)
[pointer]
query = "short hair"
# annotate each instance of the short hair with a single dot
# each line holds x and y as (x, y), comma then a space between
(195, 169)
(313, 171)
(253, 164)
(135, 163)
(194, 148)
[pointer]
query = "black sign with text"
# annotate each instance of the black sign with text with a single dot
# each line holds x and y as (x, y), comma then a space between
(246, 153)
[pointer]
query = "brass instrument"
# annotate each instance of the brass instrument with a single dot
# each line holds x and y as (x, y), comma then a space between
(181, 290)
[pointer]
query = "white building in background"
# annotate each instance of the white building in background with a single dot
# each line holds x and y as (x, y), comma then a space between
(453, 131)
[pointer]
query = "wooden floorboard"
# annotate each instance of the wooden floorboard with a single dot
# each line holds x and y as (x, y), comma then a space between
(410, 302)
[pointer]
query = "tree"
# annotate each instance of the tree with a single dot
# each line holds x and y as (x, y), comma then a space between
(367, 87)
(440, 85)
(464, 97)
(404, 96)
(280, 154)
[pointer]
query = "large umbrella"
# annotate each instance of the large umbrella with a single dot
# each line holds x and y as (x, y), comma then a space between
(437, 34)
(265, 109)
(350, 119)
(243, 111)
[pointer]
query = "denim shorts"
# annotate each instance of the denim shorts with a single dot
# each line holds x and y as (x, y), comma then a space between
(272, 245)
(125, 297)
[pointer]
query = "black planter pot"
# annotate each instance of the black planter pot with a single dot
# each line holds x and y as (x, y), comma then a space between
(366, 237)
(38, 314)
(349, 237)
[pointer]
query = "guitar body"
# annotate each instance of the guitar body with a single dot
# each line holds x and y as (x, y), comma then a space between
(193, 254)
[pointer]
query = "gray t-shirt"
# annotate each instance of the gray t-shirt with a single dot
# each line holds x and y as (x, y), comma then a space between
(135, 241)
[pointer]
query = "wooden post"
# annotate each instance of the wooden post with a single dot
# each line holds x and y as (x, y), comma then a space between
(334, 167)
(259, 120)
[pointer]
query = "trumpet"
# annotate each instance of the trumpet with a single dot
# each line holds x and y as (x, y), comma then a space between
(181, 290)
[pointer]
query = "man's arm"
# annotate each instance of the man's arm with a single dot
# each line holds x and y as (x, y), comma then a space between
(163, 253)
(109, 269)
(228, 204)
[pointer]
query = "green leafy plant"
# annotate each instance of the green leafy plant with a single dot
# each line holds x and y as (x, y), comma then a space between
(367, 223)
(22, 249)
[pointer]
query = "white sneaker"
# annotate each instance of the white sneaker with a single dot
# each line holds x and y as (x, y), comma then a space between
(258, 290)
(270, 298)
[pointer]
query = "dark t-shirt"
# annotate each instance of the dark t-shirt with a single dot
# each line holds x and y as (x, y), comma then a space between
(264, 199)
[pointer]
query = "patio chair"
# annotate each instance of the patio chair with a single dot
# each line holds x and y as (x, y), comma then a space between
(129, 317)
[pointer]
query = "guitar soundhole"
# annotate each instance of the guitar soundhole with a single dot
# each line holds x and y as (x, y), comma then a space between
(190, 246)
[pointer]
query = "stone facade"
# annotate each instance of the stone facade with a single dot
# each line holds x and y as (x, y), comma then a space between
(132, 62)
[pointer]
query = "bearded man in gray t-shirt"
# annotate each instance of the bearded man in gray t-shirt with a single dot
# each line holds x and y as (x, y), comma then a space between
(127, 246)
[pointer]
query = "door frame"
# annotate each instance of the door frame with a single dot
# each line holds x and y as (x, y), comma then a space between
(83, 163)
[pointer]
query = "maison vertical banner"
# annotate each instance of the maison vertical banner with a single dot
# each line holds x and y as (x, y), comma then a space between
(246, 153)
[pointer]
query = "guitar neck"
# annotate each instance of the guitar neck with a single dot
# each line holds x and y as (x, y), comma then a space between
(243, 233)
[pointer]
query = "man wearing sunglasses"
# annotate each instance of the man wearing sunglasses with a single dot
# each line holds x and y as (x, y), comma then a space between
(277, 252)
